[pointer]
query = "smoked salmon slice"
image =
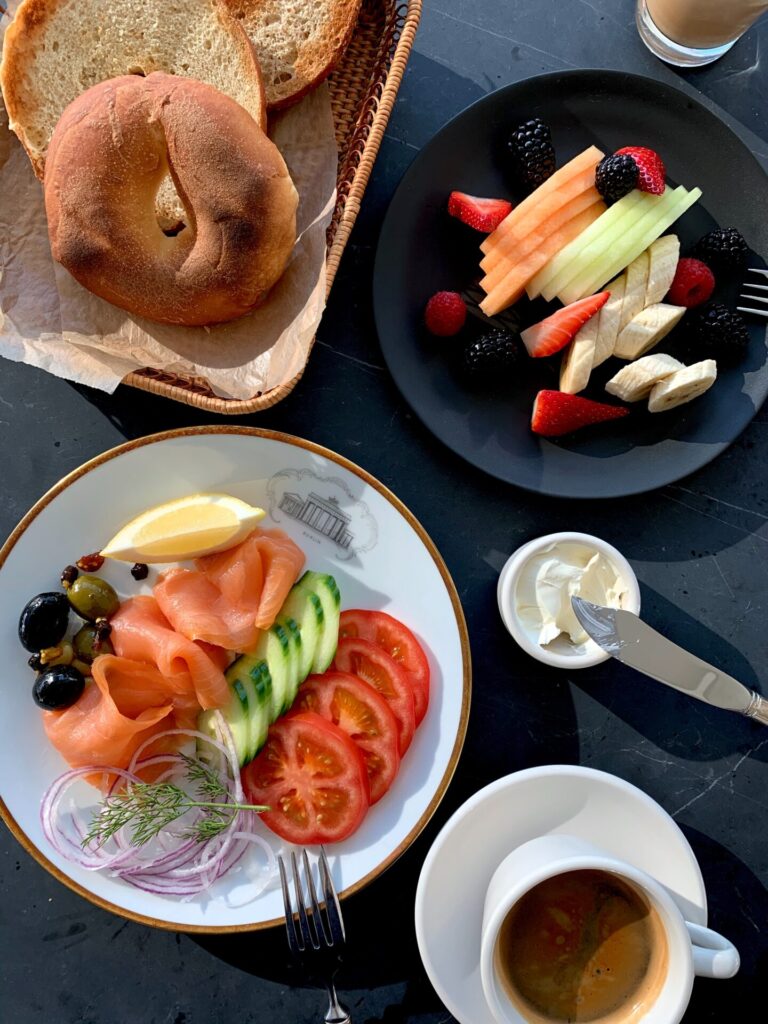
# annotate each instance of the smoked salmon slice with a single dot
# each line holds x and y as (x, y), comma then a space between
(231, 596)
(141, 632)
(127, 703)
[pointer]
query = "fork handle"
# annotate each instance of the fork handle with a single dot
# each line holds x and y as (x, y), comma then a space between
(335, 1014)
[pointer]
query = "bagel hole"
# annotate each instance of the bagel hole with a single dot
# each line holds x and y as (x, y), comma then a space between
(169, 221)
(137, 71)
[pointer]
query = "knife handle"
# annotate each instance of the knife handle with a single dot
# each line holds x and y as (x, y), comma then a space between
(758, 709)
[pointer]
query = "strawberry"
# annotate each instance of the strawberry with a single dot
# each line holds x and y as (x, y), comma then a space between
(480, 214)
(693, 284)
(554, 333)
(445, 314)
(651, 169)
(556, 413)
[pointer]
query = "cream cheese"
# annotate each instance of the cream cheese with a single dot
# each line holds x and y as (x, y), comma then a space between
(555, 574)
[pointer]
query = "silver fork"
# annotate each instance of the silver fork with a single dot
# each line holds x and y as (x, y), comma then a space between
(755, 298)
(316, 932)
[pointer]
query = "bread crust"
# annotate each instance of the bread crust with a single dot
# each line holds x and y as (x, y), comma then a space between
(27, 32)
(111, 149)
(314, 60)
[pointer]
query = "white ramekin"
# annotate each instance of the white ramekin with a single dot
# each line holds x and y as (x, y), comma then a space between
(591, 654)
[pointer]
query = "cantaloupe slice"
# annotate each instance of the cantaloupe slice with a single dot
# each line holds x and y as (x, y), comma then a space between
(502, 259)
(590, 158)
(568, 262)
(511, 288)
(626, 249)
(544, 216)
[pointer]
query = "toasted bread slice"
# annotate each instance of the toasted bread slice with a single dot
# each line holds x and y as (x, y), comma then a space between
(56, 49)
(298, 42)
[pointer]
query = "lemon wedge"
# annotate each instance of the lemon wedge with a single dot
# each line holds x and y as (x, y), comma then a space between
(190, 527)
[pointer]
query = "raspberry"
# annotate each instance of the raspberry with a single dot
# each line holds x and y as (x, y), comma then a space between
(445, 314)
(693, 284)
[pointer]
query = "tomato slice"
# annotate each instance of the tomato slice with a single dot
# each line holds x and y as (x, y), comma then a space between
(314, 779)
(372, 664)
(354, 706)
(399, 642)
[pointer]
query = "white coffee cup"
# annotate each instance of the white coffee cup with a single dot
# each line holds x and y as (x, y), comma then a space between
(691, 949)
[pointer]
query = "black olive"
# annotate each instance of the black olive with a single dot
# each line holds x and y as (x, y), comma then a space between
(35, 662)
(57, 688)
(140, 571)
(44, 621)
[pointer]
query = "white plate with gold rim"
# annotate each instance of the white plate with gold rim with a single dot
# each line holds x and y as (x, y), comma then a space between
(348, 524)
(592, 805)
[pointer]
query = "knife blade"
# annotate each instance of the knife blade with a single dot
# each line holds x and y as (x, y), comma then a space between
(627, 638)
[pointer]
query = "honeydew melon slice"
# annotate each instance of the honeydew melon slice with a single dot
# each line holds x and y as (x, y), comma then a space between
(559, 265)
(645, 213)
(589, 158)
(634, 242)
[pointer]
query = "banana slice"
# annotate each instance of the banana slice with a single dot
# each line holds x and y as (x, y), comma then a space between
(646, 330)
(664, 254)
(608, 321)
(634, 294)
(636, 380)
(683, 386)
(577, 361)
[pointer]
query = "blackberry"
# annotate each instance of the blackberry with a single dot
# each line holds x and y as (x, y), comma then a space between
(718, 333)
(493, 356)
(616, 176)
(532, 152)
(722, 249)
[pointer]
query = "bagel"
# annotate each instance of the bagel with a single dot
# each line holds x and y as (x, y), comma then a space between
(109, 154)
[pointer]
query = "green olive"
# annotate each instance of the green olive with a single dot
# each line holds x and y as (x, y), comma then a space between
(93, 598)
(87, 646)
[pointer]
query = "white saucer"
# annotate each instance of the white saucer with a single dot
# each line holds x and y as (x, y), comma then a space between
(592, 805)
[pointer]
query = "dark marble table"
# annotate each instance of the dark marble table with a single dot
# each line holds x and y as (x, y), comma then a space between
(700, 549)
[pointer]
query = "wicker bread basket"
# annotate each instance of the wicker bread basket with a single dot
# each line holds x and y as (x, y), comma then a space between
(363, 90)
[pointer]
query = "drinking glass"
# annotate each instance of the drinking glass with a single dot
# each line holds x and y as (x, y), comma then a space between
(690, 33)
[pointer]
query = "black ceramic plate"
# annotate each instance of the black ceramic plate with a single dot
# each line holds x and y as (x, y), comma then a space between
(422, 250)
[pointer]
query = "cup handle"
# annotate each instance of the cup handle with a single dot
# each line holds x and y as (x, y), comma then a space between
(713, 955)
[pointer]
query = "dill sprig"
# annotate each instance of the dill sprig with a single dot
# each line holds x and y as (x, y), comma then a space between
(146, 808)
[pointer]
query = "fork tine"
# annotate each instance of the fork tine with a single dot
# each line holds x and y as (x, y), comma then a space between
(755, 298)
(758, 270)
(757, 287)
(323, 933)
(306, 933)
(331, 901)
(290, 921)
(754, 312)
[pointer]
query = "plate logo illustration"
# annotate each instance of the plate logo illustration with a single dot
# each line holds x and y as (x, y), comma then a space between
(325, 508)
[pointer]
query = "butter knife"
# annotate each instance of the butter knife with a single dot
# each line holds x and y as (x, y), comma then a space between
(633, 642)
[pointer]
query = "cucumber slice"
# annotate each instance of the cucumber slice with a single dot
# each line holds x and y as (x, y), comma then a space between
(296, 656)
(325, 588)
(237, 716)
(250, 676)
(304, 608)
